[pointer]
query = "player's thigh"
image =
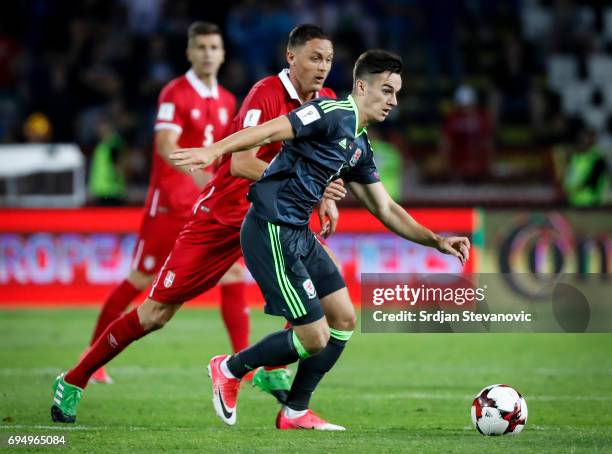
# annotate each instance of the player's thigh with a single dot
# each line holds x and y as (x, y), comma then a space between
(330, 286)
(140, 280)
(202, 254)
(233, 275)
(271, 253)
(156, 239)
(331, 254)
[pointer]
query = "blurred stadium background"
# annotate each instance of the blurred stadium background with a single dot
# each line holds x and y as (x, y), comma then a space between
(500, 101)
(503, 132)
(535, 71)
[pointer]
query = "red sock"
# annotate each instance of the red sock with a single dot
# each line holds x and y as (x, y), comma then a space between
(287, 326)
(119, 334)
(113, 307)
(235, 314)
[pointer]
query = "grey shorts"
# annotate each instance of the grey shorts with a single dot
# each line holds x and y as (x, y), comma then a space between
(291, 267)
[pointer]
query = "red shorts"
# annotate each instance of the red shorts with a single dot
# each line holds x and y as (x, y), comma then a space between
(203, 252)
(155, 240)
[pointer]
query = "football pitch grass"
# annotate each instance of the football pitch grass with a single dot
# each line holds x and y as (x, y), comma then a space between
(393, 392)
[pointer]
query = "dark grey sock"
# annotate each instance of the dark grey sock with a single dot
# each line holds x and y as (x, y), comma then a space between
(276, 349)
(310, 372)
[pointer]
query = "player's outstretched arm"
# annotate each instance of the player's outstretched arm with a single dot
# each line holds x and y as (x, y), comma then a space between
(245, 139)
(376, 199)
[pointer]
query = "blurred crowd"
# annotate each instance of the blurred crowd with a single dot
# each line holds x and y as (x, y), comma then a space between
(494, 91)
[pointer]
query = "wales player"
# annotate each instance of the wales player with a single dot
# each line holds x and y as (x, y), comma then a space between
(324, 140)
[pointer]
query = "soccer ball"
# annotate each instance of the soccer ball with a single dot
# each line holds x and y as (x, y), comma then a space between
(499, 410)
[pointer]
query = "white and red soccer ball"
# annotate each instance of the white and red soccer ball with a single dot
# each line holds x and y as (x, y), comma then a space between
(499, 410)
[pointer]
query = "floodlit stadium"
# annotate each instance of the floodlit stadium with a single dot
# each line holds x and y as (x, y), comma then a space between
(385, 222)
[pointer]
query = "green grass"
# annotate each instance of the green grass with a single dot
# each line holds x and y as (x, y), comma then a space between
(394, 392)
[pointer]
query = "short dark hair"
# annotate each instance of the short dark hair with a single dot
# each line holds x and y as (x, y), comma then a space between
(376, 61)
(202, 28)
(303, 33)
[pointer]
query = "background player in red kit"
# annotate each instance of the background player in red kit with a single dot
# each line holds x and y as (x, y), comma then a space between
(209, 243)
(193, 110)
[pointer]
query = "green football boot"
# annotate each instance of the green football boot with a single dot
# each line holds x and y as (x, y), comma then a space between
(66, 398)
(275, 382)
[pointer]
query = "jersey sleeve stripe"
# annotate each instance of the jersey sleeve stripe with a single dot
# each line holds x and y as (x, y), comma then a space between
(334, 103)
(170, 126)
(329, 109)
(352, 101)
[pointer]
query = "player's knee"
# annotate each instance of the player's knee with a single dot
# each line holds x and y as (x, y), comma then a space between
(140, 280)
(317, 341)
(153, 315)
(343, 320)
(348, 323)
(152, 322)
(233, 275)
(158, 321)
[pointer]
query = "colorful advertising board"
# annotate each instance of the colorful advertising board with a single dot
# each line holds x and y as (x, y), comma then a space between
(77, 256)
(524, 246)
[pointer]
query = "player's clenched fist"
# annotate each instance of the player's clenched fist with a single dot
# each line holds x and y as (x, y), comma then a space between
(194, 158)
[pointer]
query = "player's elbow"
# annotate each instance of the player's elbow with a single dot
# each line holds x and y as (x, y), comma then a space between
(388, 210)
(165, 142)
(382, 212)
(163, 149)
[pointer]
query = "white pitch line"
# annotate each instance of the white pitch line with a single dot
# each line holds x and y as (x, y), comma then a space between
(530, 427)
(40, 427)
(63, 427)
(123, 370)
(144, 370)
(195, 370)
(9, 371)
(445, 396)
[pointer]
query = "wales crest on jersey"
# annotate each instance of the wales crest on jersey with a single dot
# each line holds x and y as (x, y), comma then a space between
(355, 157)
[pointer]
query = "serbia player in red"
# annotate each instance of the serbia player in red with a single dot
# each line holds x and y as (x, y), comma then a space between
(209, 243)
(193, 110)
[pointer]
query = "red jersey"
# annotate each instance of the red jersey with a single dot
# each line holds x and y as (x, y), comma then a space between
(271, 97)
(201, 116)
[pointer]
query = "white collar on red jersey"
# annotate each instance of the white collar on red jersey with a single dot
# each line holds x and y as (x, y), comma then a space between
(199, 86)
(284, 77)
